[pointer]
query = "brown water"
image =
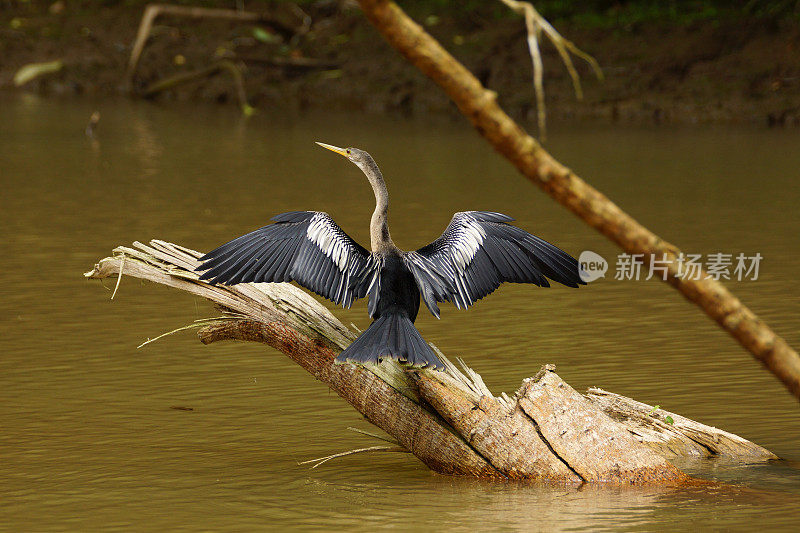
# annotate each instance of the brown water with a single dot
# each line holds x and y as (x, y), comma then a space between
(89, 434)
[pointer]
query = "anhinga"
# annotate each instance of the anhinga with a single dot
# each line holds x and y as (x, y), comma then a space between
(477, 252)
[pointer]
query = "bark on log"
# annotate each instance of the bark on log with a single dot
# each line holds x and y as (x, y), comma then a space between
(449, 419)
(480, 106)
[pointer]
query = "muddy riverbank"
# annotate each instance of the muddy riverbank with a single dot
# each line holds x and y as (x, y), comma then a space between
(732, 69)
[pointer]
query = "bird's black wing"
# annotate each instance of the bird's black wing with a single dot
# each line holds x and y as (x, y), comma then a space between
(303, 246)
(477, 252)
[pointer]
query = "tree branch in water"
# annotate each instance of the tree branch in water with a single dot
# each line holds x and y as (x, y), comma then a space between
(480, 106)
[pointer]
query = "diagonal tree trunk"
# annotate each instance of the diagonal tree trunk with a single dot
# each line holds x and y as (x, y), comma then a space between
(480, 106)
(449, 420)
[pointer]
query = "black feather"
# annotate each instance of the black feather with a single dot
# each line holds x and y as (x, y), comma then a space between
(284, 252)
(498, 252)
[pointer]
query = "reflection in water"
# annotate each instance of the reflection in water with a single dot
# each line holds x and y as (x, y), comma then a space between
(513, 505)
(146, 147)
(89, 439)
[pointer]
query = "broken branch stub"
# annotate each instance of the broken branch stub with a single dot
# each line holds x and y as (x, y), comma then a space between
(499, 432)
(593, 445)
(448, 419)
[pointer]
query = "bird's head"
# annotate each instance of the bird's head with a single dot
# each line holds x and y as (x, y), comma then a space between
(360, 158)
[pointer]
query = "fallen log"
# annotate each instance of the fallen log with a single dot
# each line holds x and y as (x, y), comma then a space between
(447, 419)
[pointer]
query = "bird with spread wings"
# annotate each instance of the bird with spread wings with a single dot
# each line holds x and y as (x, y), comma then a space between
(478, 251)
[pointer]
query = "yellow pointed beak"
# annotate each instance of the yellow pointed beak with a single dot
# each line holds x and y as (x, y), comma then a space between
(340, 151)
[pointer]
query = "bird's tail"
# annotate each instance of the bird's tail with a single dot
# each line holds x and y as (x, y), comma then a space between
(391, 336)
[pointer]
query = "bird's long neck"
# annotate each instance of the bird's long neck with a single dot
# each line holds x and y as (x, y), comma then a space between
(379, 226)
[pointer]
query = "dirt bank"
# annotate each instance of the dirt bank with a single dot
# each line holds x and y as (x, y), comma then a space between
(736, 69)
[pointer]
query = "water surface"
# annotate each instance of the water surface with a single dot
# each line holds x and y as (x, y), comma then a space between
(90, 435)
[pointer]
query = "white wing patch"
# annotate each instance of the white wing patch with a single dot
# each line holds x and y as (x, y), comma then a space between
(325, 236)
(443, 275)
(478, 251)
(467, 240)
